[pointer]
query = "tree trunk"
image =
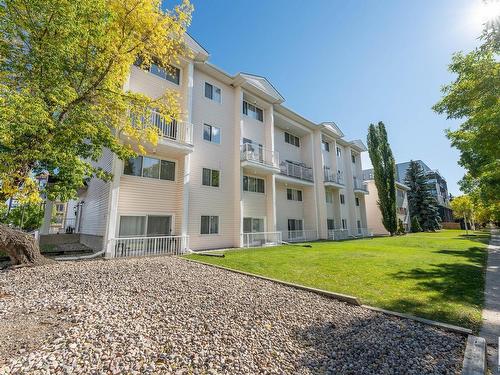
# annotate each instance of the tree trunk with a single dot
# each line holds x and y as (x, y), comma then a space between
(21, 247)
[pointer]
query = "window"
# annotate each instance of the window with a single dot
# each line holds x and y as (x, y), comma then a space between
(359, 226)
(339, 152)
(357, 201)
(143, 166)
(344, 224)
(253, 184)
(329, 196)
(209, 225)
(211, 133)
(294, 195)
(253, 111)
(172, 74)
(150, 226)
(295, 224)
(353, 158)
(342, 199)
(291, 139)
(210, 177)
(330, 223)
(253, 225)
(213, 92)
(325, 146)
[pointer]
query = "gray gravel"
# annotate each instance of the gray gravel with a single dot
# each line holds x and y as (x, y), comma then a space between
(167, 315)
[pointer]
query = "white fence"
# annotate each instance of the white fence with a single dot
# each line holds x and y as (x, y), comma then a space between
(302, 235)
(297, 171)
(261, 239)
(259, 154)
(147, 246)
(338, 234)
(181, 132)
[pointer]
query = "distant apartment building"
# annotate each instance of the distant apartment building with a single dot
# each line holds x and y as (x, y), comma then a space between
(240, 169)
(437, 184)
(373, 214)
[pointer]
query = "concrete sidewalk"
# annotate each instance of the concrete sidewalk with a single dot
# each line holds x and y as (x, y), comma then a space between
(491, 312)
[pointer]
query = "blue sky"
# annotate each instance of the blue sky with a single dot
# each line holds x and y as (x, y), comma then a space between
(352, 62)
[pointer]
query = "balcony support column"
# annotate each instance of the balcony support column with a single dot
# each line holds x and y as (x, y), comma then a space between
(319, 182)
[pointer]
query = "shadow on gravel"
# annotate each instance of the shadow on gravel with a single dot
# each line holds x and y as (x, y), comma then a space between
(379, 345)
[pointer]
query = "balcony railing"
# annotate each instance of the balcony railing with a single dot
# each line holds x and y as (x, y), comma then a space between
(358, 184)
(259, 154)
(62, 225)
(338, 234)
(302, 235)
(261, 239)
(296, 171)
(336, 178)
(178, 131)
(147, 246)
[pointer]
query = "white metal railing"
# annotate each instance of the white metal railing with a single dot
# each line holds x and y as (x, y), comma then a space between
(302, 235)
(259, 154)
(363, 232)
(330, 176)
(179, 131)
(338, 234)
(144, 246)
(297, 171)
(260, 239)
(358, 184)
(63, 225)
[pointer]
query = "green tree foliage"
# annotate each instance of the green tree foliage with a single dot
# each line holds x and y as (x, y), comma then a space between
(415, 225)
(463, 208)
(474, 96)
(422, 205)
(63, 69)
(401, 227)
(384, 174)
(27, 217)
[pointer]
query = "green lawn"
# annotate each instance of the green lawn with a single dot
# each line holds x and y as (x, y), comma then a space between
(433, 275)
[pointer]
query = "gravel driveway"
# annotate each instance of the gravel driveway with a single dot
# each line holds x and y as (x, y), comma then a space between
(168, 315)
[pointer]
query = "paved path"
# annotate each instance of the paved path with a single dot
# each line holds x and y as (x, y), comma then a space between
(491, 312)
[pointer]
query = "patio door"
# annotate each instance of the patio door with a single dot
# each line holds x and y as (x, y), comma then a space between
(159, 226)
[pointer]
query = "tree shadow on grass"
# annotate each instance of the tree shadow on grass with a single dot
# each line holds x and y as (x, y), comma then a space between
(376, 344)
(450, 285)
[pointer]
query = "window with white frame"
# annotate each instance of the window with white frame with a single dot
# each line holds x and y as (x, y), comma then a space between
(211, 133)
(253, 184)
(144, 166)
(342, 199)
(253, 111)
(209, 225)
(353, 158)
(339, 152)
(146, 225)
(295, 224)
(171, 73)
(344, 224)
(253, 225)
(213, 92)
(325, 146)
(294, 195)
(329, 196)
(357, 201)
(359, 226)
(330, 223)
(292, 139)
(210, 177)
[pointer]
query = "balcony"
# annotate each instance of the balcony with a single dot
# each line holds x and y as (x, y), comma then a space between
(358, 186)
(259, 159)
(333, 179)
(296, 171)
(174, 134)
(261, 239)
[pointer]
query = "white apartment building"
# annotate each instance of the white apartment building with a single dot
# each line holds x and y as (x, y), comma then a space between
(373, 214)
(241, 169)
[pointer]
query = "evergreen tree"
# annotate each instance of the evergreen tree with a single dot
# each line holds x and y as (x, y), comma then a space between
(384, 174)
(415, 225)
(422, 205)
(401, 227)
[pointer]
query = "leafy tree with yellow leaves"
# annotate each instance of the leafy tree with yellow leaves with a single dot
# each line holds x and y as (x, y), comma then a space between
(63, 68)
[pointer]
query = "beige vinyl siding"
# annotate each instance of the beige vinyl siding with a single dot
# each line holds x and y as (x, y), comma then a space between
(149, 196)
(254, 204)
(94, 210)
(206, 200)
(286, 209)
(286, 150)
